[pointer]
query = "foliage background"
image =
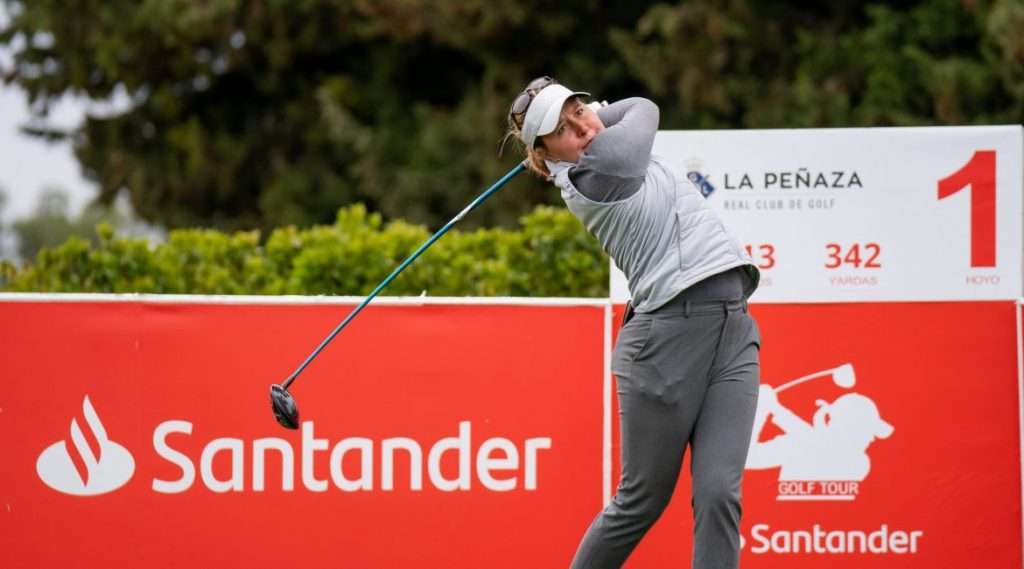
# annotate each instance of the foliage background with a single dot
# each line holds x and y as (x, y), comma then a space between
(548, 255)
(273, 115)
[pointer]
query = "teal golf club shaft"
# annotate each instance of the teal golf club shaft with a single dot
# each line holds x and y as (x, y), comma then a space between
(472, 205)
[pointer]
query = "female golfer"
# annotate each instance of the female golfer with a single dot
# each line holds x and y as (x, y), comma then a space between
(686, 360)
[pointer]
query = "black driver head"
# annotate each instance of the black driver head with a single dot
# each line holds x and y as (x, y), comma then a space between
(285, 410)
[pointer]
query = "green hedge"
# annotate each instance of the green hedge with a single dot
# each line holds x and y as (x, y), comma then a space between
(551, 254)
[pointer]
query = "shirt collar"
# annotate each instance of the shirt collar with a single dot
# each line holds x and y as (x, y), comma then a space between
(556, 167)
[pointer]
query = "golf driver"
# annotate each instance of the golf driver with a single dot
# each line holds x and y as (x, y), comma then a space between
(843, 376)
(281, 401)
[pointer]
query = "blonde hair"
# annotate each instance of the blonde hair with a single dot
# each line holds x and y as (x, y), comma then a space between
(534, 156)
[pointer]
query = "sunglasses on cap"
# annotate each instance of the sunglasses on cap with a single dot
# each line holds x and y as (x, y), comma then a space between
(523, 100)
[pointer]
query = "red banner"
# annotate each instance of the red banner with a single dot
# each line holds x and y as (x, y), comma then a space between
(908, 453)
(139, 433)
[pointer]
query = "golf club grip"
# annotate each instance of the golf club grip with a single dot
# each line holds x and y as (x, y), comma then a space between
(472, 205)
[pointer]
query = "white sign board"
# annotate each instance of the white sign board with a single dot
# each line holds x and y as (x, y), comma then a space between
(879, 214)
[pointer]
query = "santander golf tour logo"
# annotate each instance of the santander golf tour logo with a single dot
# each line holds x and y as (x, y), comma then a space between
(824, 458)
(84, 469)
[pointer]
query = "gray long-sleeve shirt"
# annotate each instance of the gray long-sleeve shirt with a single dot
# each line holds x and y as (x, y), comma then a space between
(647, 216)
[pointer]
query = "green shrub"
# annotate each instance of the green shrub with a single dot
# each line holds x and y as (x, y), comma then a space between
(549, 255)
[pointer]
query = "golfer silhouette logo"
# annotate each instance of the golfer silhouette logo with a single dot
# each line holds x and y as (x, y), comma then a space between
(86, 473)
(823, 459)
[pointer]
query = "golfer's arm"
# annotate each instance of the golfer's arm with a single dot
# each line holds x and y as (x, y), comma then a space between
(623, 148)
(614, 166)
(789, 421)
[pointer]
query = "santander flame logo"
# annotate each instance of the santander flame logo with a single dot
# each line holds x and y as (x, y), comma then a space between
(86, 470)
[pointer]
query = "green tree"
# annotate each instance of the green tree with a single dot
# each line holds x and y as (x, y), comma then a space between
(51, 224)
(759, 64)
(259, 114)
(246, 114)
(48, 226)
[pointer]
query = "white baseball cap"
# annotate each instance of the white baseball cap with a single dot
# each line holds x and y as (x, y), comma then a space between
(544, 110)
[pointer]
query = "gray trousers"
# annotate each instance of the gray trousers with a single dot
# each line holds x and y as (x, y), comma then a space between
(687, 374)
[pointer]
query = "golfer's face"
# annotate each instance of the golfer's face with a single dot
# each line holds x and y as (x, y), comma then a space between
(577, 127)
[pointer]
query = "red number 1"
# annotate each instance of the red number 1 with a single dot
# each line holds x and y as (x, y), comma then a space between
(980, 174)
